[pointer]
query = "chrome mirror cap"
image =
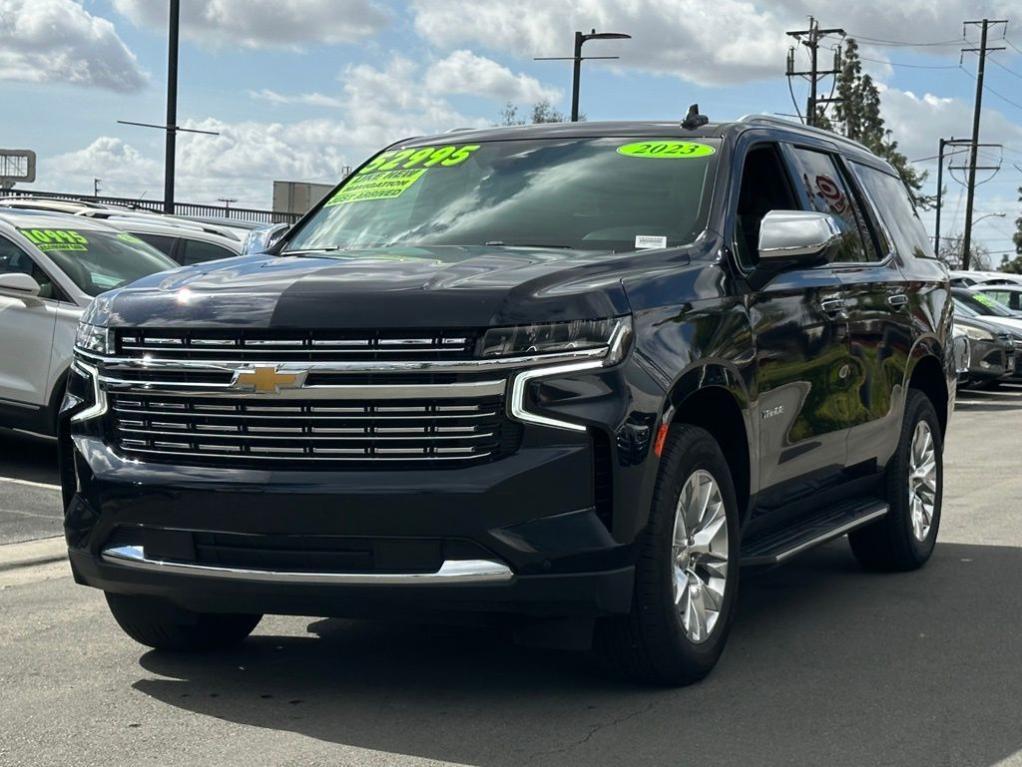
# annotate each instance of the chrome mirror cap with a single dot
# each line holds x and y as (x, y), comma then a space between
(797, 234)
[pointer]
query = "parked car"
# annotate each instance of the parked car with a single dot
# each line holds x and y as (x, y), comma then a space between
(579, 372)
(991, 350)
(972, 278)
(51, 267)
(186, 242)
(1009, 296)
(986, 307)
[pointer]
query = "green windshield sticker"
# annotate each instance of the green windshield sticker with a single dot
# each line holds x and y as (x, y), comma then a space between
(672, 150)
(130, 238)
(383, 185)
(56, 239)
(391, 174)
(987, 300)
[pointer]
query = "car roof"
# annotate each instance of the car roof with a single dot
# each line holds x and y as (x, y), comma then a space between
(1009, 286)
(44, 219)
(647, 128)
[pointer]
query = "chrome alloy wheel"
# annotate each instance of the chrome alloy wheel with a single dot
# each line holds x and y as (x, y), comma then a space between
(922, 480)
(700, 554)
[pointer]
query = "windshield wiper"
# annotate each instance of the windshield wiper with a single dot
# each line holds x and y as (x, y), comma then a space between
(329, 249)
(502, 244)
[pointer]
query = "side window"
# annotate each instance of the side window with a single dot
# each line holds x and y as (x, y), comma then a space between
(765, 187)
(895, 206)
(1000, 295)
(828, 192)
(163, 244)
(197, 252)
(14, 259)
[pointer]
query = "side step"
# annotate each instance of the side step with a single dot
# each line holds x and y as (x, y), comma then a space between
(778, 546)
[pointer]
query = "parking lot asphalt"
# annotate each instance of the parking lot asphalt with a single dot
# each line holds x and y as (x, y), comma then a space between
(826, 665)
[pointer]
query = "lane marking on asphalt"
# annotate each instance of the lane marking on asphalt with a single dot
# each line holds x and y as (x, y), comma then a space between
(29, 483)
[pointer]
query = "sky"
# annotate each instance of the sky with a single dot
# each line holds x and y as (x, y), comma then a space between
(299, 89)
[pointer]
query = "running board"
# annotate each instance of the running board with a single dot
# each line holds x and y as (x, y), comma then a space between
(777, 547)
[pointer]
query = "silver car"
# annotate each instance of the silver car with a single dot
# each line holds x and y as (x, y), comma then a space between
(51, 266)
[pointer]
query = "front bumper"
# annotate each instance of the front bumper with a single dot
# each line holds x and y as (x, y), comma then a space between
(518, 535)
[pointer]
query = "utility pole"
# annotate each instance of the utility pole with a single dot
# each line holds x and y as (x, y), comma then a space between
(577, 59)
(970, 189)
(940, 192)
(95, 186)
(811, 39)
(227, 204)
(170, 127)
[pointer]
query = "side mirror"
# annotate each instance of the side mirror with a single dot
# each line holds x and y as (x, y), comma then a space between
(261, 240)
(19, 284)
(796, 237)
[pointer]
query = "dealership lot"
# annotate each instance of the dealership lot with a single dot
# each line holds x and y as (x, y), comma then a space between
(827, 665)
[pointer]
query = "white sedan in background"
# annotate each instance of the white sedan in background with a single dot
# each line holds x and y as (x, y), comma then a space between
(51, 267)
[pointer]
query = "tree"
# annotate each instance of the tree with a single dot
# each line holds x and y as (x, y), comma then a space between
(1017, 238)
(857, 116)
(950, 252)
(542, 112)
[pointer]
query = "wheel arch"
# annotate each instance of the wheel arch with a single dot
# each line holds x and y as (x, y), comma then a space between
(713, 398)
(927, 374)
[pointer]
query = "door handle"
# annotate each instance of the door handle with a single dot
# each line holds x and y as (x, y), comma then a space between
(897, 299)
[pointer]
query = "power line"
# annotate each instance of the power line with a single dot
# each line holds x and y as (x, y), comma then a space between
(906, 44)
(1009, 70)
(811, 39)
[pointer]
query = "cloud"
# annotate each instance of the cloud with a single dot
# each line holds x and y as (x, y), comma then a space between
(379, 106)
(47, 41)
(465, 72)
(265, 23)
(314, 99)
(709, 43)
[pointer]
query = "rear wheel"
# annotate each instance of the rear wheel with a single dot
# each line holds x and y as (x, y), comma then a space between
(161, 625)
(905, 537)
(686, 578)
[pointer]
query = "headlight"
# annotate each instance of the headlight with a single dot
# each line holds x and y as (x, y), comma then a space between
(559, 337)
(977, 334)
(94, 339)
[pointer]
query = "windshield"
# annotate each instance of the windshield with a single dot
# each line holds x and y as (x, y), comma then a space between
(97, 261)
(594, 194)
(985, 305)
(964, 310)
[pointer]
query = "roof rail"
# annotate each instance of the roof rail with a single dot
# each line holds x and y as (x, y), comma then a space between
(781, 122)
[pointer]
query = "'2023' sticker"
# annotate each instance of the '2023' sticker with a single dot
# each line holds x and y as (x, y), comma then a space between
(56, 239)
(391, 174)
(668, 150)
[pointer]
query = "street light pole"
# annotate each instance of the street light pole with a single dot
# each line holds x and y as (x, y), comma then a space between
(577, 58)
(171, 152)
(576, 74)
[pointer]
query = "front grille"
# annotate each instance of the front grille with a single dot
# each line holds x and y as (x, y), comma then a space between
(295, 346)
(254, 431)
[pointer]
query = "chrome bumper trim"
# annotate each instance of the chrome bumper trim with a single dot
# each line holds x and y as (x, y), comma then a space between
(453, 571)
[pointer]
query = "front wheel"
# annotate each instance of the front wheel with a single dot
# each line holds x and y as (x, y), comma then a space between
(905, 537)
(161, 625)
(686, 577)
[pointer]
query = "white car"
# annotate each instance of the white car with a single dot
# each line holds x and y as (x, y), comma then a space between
(51, 266)
(1008, 295)
(971, 278)
(185, 240)
(986, 307)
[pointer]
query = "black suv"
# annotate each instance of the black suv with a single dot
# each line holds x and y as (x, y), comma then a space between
(578, 372)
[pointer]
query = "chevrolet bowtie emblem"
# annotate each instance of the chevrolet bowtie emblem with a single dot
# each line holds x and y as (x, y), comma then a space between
(267, 380)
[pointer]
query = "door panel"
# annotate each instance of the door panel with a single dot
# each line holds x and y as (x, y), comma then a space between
(803, 402)
(27, 333)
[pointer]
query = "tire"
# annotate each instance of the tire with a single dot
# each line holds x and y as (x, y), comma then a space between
(161, 625)
(652, 643)
(893, 542)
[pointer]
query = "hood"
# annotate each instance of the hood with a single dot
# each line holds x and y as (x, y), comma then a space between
(395, 288)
